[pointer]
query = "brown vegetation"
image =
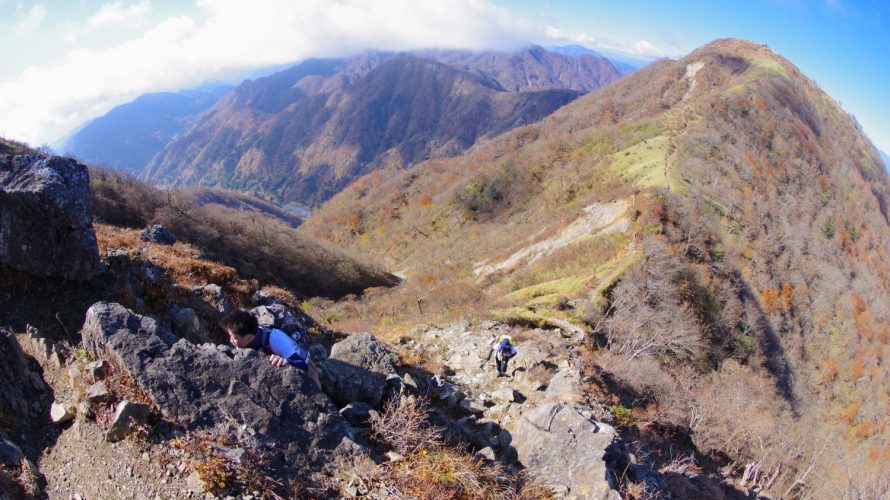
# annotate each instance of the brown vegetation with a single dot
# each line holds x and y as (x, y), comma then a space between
(257, 246)
(760, 226)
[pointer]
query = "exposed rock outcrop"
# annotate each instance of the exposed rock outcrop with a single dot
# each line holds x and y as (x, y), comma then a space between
(202, 386)
(46, 217)
(560, 446)
(157, 234)
(357, 369)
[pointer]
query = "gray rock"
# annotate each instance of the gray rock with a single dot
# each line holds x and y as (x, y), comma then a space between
(560, 446)
(234, 455)
(473, 407)
(98, 393)
(214, 295)
(410, 382)
(318, 353)
(502, 395)
(485, 454)
(444, 391)
(357, 413)
(357, 369)
(97, 369)
(564, 386)
(204, 388)
(60, 413)
(157, 234)
(46, 213)
(186, 324)
(194, 483)
(151, 273)
(10, 454)
(127, 417)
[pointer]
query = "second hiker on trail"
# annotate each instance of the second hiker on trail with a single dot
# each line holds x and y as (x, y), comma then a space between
(503, 349)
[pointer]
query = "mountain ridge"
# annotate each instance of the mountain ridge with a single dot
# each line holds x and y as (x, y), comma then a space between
(755, 235)
(130, 134)
(327, 125)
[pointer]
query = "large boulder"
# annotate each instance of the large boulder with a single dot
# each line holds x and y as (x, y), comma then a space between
(203, 386)
(46, 217)
(357, 369)
(564, 449)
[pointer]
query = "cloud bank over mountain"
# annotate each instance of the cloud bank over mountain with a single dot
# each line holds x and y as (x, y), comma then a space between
(232, 37)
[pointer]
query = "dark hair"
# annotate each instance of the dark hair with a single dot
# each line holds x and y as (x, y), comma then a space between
(240, 323)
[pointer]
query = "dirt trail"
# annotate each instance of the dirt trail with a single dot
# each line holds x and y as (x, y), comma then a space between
(80, 463)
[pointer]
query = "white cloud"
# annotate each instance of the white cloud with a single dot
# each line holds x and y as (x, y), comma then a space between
(640, 48)
(30, 22)
(116, 13)
(45, 102)
(555, 34)
(645, 48)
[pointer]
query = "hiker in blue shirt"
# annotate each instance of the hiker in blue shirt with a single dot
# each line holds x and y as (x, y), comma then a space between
(503, 349)
(245, 333)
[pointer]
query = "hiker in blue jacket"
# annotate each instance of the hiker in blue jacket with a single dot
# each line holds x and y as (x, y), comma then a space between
(503, 349)
(245, 333)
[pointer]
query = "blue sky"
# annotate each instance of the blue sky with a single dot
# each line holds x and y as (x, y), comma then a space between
(843, 45)
(64, 62)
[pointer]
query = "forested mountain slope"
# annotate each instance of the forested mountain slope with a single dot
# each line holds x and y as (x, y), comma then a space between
(305, 133)
(717, 223)
(129, 135)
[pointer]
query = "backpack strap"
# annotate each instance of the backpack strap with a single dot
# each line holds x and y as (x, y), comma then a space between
(263, 334)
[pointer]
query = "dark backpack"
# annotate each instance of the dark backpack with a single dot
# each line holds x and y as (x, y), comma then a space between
(279, 317)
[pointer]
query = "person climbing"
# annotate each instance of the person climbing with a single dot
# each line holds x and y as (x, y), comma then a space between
(503, 349)
(245, 333)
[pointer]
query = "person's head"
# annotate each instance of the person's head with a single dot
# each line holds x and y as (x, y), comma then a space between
(241, 327)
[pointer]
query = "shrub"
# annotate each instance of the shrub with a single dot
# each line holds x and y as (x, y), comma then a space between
(404, 426)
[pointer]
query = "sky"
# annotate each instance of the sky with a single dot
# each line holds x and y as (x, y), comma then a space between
(63, 62)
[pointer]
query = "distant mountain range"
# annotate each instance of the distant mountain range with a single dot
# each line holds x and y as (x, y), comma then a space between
(624, 64)
(303, 134)
(129, 135)
(885, 158)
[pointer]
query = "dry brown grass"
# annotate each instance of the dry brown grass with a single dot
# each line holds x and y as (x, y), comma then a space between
(178, 260)
(258, 245)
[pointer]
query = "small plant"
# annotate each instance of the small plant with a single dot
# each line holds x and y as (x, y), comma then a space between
(404, 426)
(223, 476)
(828, 227)
(624, 416)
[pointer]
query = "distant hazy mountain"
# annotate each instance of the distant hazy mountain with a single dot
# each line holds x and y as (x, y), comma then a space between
(622, 63)
(886, 159)
(303, 134)
(129, 135)
(534, 68)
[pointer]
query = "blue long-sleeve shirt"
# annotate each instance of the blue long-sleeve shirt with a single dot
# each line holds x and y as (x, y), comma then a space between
(275, 341)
